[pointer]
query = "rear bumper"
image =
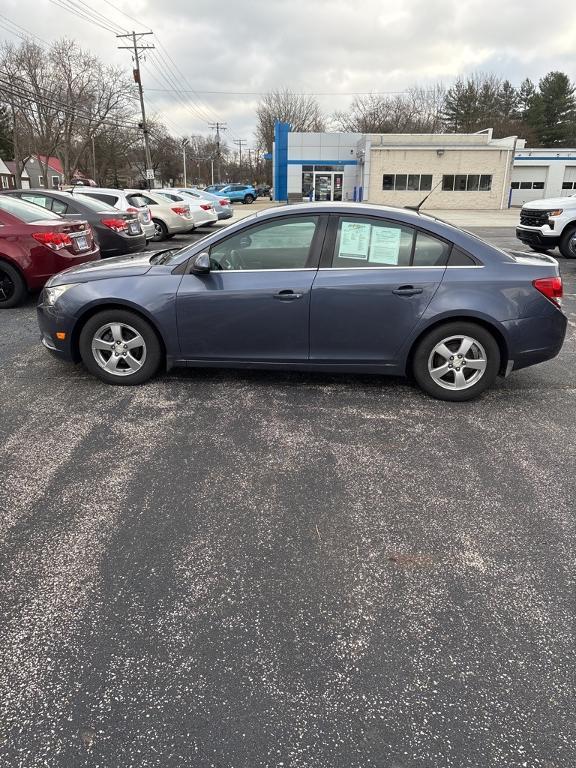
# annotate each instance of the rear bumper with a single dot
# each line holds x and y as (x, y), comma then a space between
(535, 339)
(226, 213)
(115, 244)
(535, 237)
(59, 264)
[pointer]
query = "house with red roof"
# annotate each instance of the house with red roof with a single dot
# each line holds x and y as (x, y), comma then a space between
(35, 169)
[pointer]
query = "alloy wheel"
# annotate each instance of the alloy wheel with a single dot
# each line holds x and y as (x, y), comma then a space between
(119, 349)
(457, 362)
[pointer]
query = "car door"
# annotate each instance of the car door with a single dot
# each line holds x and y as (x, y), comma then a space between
(376, 279)
(254, 304)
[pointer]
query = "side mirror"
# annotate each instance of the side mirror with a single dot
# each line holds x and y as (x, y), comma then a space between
(201, 263)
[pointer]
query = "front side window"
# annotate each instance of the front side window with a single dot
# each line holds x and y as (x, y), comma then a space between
(363, 242)
(274, 245)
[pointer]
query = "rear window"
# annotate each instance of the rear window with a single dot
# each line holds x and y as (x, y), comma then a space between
(27, 212)
(138, 201)
(93, 205)
(110, 199)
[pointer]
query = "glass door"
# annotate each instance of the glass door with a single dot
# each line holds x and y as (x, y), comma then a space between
(337, 187)
(323, 187)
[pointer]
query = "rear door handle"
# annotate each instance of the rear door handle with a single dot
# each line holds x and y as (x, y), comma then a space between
(287, 295)
(407, 290)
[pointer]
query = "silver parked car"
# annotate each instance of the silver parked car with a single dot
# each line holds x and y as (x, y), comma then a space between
(222, 205)
(117, 198)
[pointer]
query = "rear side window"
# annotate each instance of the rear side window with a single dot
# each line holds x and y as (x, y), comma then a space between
(460, 259)
(429, 251)
(363, 242)
(41, 200)
(27, 212)
(59, 206)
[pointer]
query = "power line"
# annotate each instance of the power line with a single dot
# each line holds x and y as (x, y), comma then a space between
(23, 33)
(82, 15)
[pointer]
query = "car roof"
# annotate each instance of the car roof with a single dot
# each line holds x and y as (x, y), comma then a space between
(81, 190)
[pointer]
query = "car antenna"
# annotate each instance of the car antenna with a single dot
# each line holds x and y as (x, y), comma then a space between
(421, 203)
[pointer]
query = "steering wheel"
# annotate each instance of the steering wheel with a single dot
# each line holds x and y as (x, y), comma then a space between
(232, 261)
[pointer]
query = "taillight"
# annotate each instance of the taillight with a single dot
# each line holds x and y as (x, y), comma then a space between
(551, 287)
(181, 211)
(54, 240)
(132, 210)
(118, 225)
(205, 207)
(224, 201)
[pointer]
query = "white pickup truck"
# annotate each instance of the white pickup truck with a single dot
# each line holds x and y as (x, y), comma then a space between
(545, 224)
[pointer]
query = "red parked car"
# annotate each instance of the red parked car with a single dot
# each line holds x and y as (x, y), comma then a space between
(36, 244)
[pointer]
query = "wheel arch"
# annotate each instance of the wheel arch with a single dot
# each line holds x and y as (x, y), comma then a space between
(94, 309)
(481, 321)
(14, 264)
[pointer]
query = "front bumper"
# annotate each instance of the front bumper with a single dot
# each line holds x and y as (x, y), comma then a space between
(50, 322)
(536, 237)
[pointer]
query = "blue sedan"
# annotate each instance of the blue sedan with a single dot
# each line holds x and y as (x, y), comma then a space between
(323, 287)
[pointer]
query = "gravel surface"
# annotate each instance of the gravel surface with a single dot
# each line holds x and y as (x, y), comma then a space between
(248, 569)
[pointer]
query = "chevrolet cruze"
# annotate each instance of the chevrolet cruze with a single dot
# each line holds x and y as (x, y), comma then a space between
(323, 287)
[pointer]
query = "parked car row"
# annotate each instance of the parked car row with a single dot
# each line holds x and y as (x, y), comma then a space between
(236, 193)
(44, 231)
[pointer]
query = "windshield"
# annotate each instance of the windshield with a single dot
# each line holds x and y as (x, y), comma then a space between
(27, 212)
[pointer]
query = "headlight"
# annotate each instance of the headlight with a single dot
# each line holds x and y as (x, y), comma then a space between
(557, 212)
(51, 295)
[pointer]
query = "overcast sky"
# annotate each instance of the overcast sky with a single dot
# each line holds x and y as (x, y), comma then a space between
(335, 47)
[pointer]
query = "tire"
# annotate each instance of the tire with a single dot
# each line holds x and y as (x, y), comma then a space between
(160, 231)
(568, 243)
(13, 289)
(129, 327)
(248, 199)
(436, 347)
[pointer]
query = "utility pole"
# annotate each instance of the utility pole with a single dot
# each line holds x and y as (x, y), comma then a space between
(240, 142)
(93, 159)
(185, 143)
(136, 72)
(218, 127)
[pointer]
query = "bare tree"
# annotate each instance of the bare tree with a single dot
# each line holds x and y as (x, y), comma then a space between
(302, 112)
(418, 110)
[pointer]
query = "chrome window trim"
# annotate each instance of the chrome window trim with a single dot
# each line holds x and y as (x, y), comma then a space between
(407, 266)
(288, 269)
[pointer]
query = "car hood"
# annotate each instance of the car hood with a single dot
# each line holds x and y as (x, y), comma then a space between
(119, 266)
(551, 203)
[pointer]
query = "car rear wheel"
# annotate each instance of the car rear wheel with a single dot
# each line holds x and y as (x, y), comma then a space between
(12, 286)
(248, 199)
(160, 230)
(456, 361)
(120, 347)
(568, 244)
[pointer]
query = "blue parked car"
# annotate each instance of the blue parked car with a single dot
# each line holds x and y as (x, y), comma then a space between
(236, 193)
(323, 287)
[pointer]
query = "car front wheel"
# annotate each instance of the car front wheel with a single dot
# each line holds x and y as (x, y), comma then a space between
(456, 361)
(120, 347)
(248, 199)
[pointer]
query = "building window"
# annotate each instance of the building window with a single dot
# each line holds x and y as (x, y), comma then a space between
(569, 185)
(55, 182)
(4, 182)
(411, 182)
(466, 183)
(527, 185)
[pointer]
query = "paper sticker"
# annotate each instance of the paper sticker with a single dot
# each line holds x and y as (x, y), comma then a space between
(354, 240)
(385, 245)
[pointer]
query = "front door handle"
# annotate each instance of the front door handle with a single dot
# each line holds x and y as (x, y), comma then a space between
(288, 295)
(407, 290)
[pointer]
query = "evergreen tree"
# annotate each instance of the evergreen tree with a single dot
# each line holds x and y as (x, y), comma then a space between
(526, 94)
(552, 112)
(508, 100)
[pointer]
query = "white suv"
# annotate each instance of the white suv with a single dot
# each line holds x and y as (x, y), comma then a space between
(118, 199)
(545, 224)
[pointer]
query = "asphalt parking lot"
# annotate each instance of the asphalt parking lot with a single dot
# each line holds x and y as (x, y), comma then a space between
(234, 569)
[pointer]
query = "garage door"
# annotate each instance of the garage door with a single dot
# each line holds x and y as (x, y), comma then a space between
(528, 183)
(569, 185)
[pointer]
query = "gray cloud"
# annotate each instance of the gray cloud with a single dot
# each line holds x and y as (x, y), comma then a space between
(316, 46)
